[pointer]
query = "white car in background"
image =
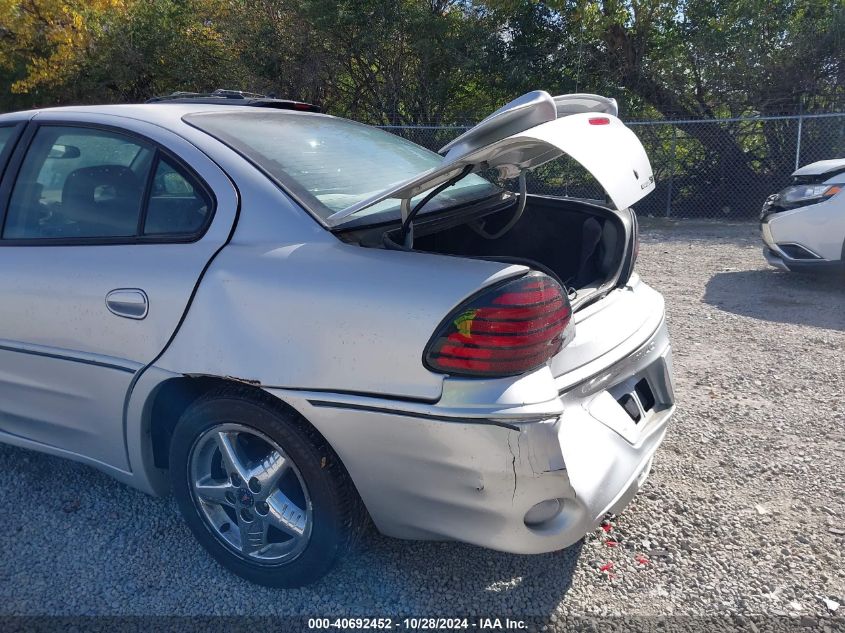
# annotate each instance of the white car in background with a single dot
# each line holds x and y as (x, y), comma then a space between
(804, 225)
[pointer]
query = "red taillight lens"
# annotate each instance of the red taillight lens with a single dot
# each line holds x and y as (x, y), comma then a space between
(505, 330)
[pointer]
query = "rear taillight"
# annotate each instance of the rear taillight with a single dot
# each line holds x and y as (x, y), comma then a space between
(505, 330)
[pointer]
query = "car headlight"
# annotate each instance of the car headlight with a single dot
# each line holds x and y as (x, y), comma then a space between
(800, 195)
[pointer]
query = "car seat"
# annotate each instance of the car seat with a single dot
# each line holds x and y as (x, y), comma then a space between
(102, 200)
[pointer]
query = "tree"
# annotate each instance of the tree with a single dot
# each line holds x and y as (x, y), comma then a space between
(157, 47)
(383, 61)
(705, 59)
(42, 42)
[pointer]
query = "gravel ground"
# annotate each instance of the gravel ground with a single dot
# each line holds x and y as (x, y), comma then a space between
(743, 512)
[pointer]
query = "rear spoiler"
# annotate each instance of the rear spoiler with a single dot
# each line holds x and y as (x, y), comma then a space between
(584, 102)
(529, 110)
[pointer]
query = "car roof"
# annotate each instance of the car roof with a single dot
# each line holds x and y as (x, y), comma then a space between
(235, 97)
(165, 114)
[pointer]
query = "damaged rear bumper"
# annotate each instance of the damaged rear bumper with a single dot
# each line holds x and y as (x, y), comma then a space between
(439, 472)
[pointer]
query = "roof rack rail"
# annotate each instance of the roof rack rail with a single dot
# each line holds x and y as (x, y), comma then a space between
(235, 97)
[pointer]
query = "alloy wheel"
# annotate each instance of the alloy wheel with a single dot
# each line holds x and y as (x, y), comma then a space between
(250, 494)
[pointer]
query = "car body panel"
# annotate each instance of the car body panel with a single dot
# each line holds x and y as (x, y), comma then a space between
(482, 475)
(64, 406)
(601, 330)
(296, 334)
(623, 171)
(61, 342)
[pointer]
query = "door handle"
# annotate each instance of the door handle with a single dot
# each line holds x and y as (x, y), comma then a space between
(131, 303)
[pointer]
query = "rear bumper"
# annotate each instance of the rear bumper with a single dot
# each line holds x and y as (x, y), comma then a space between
(452, 470)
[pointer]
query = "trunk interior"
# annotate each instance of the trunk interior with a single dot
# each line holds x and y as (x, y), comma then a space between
(580, 243)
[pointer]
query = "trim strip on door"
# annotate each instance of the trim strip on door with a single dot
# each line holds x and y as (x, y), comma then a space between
(130, 368)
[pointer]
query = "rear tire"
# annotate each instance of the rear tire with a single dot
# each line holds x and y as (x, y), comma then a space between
(261, 490)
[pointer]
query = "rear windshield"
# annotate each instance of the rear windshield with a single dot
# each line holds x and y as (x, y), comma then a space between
(331, 164)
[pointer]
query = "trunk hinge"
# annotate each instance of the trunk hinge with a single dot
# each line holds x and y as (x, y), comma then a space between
(409, 213)
(478, 225)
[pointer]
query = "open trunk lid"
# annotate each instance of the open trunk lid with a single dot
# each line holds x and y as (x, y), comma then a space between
(531, 131)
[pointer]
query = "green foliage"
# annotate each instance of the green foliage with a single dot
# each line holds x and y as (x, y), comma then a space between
(412, 62)
(42, 43)
(429, 61)
(157, 47)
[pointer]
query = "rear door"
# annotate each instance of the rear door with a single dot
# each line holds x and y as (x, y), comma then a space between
(107, 225)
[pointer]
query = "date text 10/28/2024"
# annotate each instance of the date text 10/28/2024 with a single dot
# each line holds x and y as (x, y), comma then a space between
(419, 624)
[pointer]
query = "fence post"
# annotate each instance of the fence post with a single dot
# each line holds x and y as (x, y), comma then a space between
(798, 142)
(671, 172)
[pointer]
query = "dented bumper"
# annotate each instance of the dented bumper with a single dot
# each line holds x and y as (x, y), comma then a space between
(450, 470)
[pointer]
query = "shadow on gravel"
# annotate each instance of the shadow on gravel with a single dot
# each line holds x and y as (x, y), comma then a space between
(780, 297)
(441, 578)
(139, 558)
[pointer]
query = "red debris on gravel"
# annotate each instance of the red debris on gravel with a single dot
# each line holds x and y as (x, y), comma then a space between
(607, 566)
(611, 543)
(642, 560)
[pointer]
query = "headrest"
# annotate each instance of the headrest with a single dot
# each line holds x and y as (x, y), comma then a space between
(114, 181)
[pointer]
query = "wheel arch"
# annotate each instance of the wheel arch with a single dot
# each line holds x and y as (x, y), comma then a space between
(161, 410)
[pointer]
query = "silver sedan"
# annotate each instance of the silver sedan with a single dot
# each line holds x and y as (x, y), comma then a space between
(299, 324)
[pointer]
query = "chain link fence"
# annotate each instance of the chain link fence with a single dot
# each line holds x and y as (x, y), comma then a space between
(722, 169)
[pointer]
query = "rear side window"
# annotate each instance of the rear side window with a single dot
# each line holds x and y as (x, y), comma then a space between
(79, 183)
(89, 183)
(177, 203)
